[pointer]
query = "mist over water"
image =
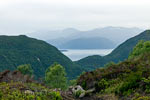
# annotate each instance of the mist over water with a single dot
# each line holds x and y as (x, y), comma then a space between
(77, 54)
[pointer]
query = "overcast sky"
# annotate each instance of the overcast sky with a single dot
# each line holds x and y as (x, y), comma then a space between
(20, 16)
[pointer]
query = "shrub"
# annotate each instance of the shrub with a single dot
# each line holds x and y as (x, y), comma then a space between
(143, 98)
(11, 91)
(140, 48)
(78, 93)
(72, 82)
(25, 69)
(102, 85)
(84, 86)
(147, 84)
(109, 64)
(1, 94)
(130, 83)
(55, 96)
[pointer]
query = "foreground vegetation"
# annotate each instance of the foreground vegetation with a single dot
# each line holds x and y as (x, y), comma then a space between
(127, 80)
(18, 50)
(27, 91)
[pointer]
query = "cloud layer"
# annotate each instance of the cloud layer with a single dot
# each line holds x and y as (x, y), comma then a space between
(20, 16)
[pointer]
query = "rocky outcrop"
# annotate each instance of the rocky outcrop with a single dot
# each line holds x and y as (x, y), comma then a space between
(15, 76)
(78, 93)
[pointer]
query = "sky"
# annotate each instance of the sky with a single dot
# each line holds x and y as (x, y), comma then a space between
(22, 16)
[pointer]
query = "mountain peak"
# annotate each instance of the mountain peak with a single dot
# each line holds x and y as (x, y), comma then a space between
(70, 30)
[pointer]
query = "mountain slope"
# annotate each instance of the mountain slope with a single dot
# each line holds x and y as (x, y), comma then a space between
(116, 34)
(127, 80)
(119, 54)
(88, 43)
(17, 50)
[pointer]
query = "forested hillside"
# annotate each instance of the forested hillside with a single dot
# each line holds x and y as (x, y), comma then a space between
(119, 54)
(18, 50)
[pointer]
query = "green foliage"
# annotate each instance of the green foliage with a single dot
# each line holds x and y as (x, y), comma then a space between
(1, 94)
(55, 96)
(143, 98)
(55, 76)
(109, 64)
(84, 84)
(102, 85)
(18, 50)
(25, 69)
(73, 82)
(128, 80)
(147, 84)
(140, 48)
(113, 86)
(11, 91)
(78, 93)
(130, 83)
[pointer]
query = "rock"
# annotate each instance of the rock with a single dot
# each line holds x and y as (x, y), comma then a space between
(90, 91)
(78, 91)
(29, 92)
(15, 76)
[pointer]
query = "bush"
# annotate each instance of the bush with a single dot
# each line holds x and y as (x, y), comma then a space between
(140, 48)
(84, 86)
(143, 98)
(55, 96)
(109, 64)
(130, 84)
(102, 85)
(11, 91)
(1, 94)
(78, 93)
(25, 69)
(72, 82)
(147, 84)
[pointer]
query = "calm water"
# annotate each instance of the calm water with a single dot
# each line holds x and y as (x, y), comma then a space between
(75, 54)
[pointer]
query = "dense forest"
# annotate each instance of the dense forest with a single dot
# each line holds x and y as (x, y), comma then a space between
(18, 50)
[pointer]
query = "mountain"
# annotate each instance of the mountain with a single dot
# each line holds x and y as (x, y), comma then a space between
(116, 35)
(88, 43)
(119, 54)
(53, 34)
(17, 50)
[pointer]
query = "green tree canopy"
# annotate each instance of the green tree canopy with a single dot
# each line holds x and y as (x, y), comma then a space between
(55, 76)
(140, 48)
(25, 69)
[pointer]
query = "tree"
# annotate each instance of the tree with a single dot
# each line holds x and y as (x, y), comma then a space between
(25, 69)
(55, 76)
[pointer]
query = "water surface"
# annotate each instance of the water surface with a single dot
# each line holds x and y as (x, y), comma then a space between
(76, 54)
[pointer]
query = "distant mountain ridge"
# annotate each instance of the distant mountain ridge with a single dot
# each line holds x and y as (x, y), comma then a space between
(88, 43)
(119, 54)
(53, 34)
(116, 35)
